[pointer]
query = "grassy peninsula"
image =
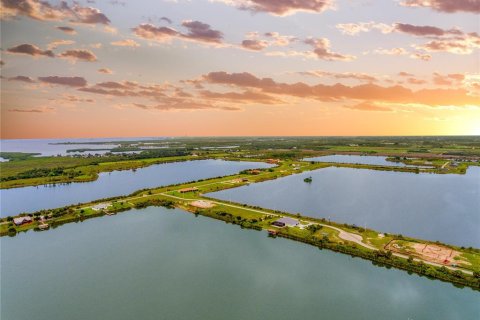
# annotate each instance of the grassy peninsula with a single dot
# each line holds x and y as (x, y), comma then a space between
(382, 249)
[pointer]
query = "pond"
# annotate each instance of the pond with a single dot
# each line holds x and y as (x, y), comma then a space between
(373, 160)
(167, 264)
(444, 207)
(116, 183)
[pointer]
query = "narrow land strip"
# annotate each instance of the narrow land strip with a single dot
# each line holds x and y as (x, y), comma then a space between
(365, 243)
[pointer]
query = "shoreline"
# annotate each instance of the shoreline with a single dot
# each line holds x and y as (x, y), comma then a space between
(370, 246)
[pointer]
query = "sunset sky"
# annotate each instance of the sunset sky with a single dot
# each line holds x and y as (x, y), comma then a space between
(239, 67)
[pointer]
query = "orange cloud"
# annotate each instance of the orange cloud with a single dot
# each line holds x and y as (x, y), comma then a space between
(105, 71)
(416, 81)
(125, 43)
(447, 80)
(364, 106)
(243, 97)
(54, 44)
(344, 75)
(180, 104)
(340, 92)
(32, 110)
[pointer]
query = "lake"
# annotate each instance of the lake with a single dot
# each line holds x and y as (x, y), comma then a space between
(53, 147)
(116, 183)
(168, 264)
(373, 160)
(444, 207)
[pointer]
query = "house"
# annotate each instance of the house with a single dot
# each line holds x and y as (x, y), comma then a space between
(101, 206)
(254, 171)
(185, 190)
(22, 220)
(286, 222)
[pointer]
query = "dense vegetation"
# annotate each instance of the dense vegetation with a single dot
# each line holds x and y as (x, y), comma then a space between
(15, 156)
(43, 172)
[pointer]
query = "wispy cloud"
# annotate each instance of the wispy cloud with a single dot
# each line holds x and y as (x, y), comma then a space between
(321, 48)
(196, 31)
(30, 49)
(280, 7)
(448, 6)
(105, 71)
(22, 79)
(43, 10)
(68, 30)
(79, 55)
(64, 81)
(125, 43)
(365, 106)
(340, 92)
(33, 110)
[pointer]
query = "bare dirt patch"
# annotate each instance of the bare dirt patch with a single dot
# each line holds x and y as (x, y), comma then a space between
(426, 251)
(202, 204)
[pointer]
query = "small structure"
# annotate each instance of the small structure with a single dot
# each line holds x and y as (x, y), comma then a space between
(43, 226)
(203, 204)
(185, 190)
(272, 233)
(22, 220)
(101, 206)
(286, 222)
(254, 171)
(273, 161)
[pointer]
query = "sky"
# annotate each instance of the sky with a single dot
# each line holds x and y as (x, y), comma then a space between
(94, 68)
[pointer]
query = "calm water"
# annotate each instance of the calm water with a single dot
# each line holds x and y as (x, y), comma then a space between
(340, 158)
(167, 264)
(49, 147)
(428, 206)
(30, 199)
